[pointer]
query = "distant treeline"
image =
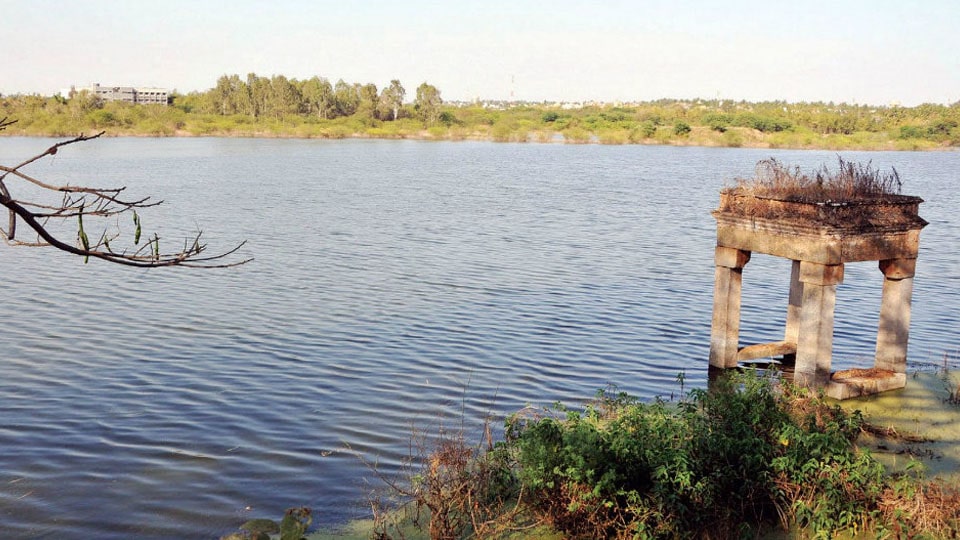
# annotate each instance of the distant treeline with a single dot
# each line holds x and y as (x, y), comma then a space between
(315, 107)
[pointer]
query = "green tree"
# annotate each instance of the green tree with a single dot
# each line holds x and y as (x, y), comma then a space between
(717, 122)
(346, 98)
(369, 99)
(284, 98)
(188, 103)
(259, 94)
(83, 102)
(392, 97)
(219, 97)
(317, 95)
(229, 96)
(428, 103)
(242, 102)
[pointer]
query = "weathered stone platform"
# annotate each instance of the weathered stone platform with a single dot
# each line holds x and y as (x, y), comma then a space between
(819, 237)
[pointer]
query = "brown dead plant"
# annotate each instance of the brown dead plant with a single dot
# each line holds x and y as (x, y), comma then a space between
(930, 510)
(451, 489)
(851, 181)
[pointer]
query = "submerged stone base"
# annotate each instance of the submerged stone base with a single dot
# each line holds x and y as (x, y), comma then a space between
(853, 383)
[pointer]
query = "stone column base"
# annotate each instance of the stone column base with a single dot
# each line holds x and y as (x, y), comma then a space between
(863, 382)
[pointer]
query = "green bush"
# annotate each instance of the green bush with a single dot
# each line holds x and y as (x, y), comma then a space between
(910, 132)
(717, 122)
(765, 124)
(720, 463)
(681, 129)
(550, 116)
(100, 118)
(448, 119)
(941, 130)
(648, 129)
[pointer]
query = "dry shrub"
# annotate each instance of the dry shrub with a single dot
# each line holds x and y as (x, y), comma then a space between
(855, 198)
(809, 409)
(850, 182)
(929, 509)
(460, 490)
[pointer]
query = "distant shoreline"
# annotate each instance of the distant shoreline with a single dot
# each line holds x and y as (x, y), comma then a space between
(755, 140)
(701, 123)
(316, 108)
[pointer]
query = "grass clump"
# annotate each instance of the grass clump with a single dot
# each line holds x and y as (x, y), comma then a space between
(748, 455)
(849, 182)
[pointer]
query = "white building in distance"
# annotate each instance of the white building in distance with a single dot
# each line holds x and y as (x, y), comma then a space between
(129, 94)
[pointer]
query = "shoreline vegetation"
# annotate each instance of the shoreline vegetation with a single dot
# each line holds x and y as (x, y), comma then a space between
(750, 456)
(278, 107)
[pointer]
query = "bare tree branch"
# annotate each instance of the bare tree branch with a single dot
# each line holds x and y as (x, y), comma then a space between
(81, 202)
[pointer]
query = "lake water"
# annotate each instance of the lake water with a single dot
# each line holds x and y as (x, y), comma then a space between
(397, 286)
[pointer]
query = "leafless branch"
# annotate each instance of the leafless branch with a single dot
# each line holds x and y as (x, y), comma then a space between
(81, 202)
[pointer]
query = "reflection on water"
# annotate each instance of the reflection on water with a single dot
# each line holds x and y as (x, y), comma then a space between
(396, 284)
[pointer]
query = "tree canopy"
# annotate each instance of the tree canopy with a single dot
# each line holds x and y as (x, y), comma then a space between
(392, 97)
(428, 103)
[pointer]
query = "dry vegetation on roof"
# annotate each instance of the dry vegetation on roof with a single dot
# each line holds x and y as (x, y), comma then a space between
(850, 182)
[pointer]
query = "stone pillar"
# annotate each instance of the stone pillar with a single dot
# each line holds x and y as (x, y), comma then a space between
(794, 304)
(815, 339)
(725, 331)
(895, 314)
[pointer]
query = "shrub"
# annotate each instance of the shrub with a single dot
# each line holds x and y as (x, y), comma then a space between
(100, 118)
(718, 463)
(550, 116)
(507, 131)
(717, 122)
(941, 129)
(747, 454)
(910, 132)
(618, 136)
(851, 181)
(576, 135)
(681, 129)
(648, 129)
(765, 124)
(452, 489)
(447, 118)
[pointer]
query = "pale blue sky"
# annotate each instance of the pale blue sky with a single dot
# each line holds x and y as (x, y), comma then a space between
(874, 52)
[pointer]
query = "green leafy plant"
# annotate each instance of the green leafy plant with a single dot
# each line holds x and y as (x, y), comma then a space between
(719, 463)
(293, 526)
(295, 523)
(749, 453)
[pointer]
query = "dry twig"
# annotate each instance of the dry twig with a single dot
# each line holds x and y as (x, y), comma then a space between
(79, 202)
